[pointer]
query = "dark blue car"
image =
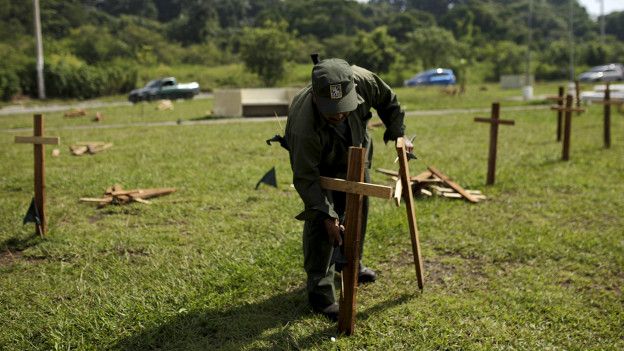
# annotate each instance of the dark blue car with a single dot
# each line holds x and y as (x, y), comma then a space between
(436, 76)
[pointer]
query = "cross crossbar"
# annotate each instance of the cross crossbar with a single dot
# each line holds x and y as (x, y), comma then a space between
(494, 120)
(566, 109)
(360, 188)
(608, 102)
(37, 140)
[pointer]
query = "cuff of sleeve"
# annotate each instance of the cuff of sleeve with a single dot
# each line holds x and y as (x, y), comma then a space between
(392, 135)
(313, 213)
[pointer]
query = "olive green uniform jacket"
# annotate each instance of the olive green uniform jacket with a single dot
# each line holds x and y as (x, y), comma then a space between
(315, 149)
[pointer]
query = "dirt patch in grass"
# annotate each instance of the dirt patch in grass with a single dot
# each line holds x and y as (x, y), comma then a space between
(443, 270)
(8, 258)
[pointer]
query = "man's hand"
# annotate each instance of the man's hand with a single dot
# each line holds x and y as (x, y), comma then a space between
(333, 229)
(409, 147)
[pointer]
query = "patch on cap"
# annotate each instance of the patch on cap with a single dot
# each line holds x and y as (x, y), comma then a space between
(335, 91)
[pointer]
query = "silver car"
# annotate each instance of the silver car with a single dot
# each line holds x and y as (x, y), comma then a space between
(605, 73)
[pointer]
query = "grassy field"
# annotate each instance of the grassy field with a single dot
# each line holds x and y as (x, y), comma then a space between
(218, 265)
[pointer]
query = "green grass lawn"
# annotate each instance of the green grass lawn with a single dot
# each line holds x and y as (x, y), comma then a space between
(218, 265)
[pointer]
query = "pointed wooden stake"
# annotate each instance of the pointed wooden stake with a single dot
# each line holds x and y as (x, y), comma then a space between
(411, 211)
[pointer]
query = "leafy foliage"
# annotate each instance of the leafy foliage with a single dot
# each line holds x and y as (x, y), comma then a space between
(384, 35)
(265, 50)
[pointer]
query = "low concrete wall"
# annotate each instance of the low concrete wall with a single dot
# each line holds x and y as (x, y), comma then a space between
(257, 102)
(514, 81)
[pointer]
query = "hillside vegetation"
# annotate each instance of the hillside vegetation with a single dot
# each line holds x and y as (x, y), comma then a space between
(102, 47)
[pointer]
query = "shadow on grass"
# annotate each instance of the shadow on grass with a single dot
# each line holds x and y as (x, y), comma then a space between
(209, 118)
(265, 325)
(20, 244)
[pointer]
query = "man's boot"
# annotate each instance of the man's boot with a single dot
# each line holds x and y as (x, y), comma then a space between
(366, 275)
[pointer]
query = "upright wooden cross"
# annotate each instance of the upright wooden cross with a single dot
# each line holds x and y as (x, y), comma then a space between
(494, 122)
(559, 99)
(39, 142)
(577, 92)
(356, 189)
(607, 102)
(567, 127)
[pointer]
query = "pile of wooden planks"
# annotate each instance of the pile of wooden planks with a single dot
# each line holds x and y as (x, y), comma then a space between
(433, 182)
(116, 195)
(77, 112)
(89, 147)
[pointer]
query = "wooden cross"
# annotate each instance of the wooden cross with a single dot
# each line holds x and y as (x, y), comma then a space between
(607, 102)
(494, 122)
(567, 128)
(560, 99)
(39, 142)
(356, 189)
(577, 92)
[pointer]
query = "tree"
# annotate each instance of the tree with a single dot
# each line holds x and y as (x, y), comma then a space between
(265, 50)
(433, 46)
(375, 50)
(614, 23)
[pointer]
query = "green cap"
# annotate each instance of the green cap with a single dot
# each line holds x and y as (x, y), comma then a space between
(333, 86)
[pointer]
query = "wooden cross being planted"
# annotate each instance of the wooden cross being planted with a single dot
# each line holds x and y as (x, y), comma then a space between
(567, 125)
(355, 189)
(39, 142)
(494, 122)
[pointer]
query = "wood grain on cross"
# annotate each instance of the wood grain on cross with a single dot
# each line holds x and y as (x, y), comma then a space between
(39, 142)
(567, 127)
(409, 206)
(355, 190)
(494, 122)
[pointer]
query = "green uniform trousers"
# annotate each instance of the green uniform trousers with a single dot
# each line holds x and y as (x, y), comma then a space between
(317, 252)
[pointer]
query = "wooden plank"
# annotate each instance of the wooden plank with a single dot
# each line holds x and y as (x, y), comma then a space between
(37, 140)
(398, 192)
(609, 102)
(443, 189)
(93, 149)
(560, 102)
(361, 188)
(426, 192)
(411, 212)
(422, 177)
(567, 129)
(87, 143)
(566, 109)
(607, 119)
(78, 150)
(452, 184)
(95, 199)
(40, 187)
(351, 244)
(494, 120)
(387, 172)
(452, 195)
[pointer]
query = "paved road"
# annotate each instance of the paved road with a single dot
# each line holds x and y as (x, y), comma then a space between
(268, 119)
(18, 109)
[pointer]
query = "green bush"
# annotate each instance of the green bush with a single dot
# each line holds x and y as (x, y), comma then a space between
(9, 84)
(68, 78)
